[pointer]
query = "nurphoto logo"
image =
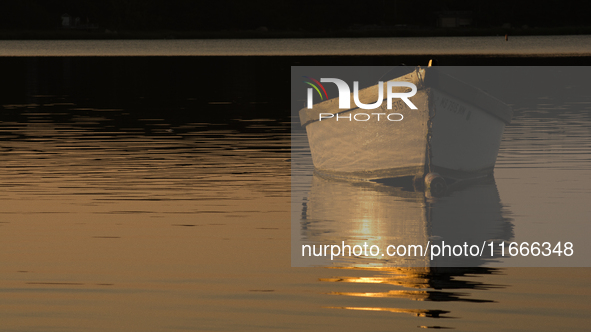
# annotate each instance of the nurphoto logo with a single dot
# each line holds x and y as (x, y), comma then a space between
(345, 92)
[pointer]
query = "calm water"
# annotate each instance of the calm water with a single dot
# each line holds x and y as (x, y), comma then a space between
(493, 45)
(154, 194)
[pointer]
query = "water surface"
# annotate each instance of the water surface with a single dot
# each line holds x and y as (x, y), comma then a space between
(136, 198)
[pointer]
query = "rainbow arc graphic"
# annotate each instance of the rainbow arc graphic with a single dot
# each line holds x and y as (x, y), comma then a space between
(315, 85)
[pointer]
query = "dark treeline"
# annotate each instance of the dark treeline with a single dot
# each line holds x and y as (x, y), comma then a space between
(283, 15)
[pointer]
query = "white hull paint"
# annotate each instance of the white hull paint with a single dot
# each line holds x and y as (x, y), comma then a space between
(456, 131)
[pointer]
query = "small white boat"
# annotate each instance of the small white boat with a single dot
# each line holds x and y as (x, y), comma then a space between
(454, 134)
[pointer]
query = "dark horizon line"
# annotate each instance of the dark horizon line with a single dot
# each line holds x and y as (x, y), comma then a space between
(59, 34)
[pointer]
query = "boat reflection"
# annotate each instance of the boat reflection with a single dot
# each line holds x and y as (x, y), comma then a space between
(392, 213)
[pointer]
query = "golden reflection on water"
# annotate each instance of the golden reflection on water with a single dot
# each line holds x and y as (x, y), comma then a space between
(414, 312)
(415, 284)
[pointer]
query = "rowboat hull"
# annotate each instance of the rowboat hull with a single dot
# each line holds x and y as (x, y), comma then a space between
(455, 131)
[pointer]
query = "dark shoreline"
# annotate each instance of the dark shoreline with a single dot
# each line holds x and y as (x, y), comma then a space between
(104, 33)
